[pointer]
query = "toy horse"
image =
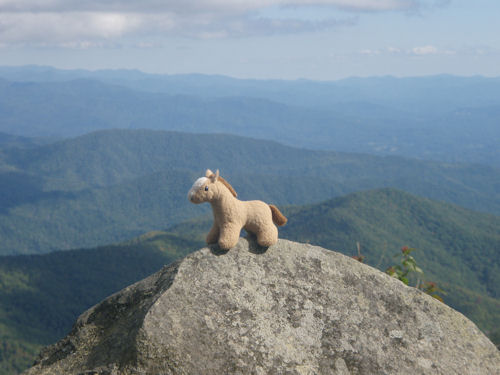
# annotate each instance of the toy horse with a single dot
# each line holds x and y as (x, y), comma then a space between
(231, 214)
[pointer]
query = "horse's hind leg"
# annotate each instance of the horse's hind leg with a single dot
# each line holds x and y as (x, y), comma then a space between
(267, 236)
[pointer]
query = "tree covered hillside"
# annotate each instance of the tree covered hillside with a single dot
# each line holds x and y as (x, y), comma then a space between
(113, 185)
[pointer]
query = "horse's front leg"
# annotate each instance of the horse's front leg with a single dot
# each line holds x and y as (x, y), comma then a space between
(229, 235)
(213, 235)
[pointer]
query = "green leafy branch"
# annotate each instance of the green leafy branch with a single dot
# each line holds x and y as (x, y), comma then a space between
(407, 267)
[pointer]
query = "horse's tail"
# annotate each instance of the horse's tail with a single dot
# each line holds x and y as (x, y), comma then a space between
(278, 218)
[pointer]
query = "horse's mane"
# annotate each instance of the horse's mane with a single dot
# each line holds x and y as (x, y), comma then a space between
(226, 184)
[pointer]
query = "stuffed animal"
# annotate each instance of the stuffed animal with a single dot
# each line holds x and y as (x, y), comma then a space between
(231, 214)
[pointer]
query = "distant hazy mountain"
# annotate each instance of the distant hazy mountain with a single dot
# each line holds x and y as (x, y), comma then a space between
(440, 93)
(113, 185)
(444, 118)
(41, 295)
(8, 140)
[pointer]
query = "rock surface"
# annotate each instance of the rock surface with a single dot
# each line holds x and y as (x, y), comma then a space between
(290, 309)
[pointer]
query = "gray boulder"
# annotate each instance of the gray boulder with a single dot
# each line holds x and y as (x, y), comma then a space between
(289, 309)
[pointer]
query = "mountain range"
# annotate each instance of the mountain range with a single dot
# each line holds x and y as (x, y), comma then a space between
(92, 158)
(109, 186)
(445, 118)
(416, 94)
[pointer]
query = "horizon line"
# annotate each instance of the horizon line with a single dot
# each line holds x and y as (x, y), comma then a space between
(298, 79)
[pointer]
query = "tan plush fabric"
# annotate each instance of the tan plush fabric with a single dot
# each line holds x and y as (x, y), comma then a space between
(231, 214)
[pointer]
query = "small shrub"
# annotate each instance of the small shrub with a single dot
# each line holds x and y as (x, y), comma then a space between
(407, 267)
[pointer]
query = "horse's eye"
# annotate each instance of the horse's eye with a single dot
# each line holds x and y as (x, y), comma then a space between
(206, 188)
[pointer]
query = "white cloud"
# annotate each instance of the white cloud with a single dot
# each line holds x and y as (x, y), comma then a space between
(91, 22)
(64, 27)
(415, 51)
(369, 52)
(394, 50)
(425, 50)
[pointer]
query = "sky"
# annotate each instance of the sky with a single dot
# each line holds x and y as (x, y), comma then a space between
(264, 39)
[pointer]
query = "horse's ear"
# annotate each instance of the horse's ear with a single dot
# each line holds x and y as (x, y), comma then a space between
(208, 173)
(213, 177)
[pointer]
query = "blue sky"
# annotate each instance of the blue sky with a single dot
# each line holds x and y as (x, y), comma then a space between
(284, 39)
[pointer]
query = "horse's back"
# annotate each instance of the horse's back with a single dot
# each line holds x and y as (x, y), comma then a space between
(258, 213)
